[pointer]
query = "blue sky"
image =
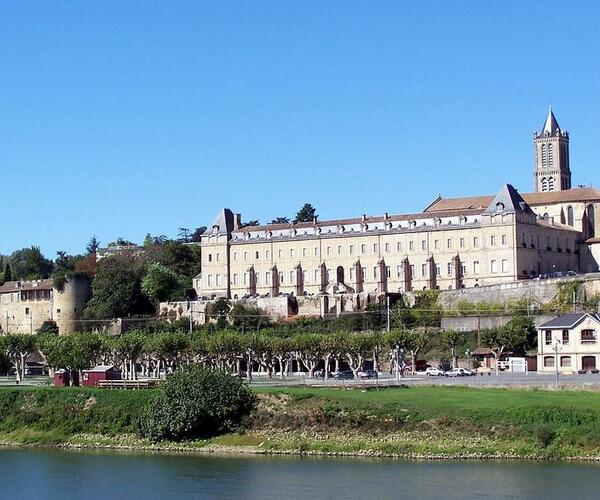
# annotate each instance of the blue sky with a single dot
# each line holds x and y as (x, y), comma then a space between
(122, 118)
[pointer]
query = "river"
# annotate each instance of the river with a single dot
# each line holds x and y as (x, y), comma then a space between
(57, 474)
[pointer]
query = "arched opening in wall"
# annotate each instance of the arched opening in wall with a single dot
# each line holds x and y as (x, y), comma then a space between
(550, 183)
(235, 296)
(591, 221)
(570, 217)
(339, 273)
(544, 184)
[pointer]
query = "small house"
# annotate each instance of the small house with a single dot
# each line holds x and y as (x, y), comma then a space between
(101, 372)
(570, 343)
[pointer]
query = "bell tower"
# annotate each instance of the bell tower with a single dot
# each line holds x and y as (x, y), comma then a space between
(552, 171)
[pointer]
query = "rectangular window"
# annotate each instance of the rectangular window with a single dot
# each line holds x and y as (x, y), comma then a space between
(399, 246)
(329, 275)
(475, 267)
(548, 337)
(464, 268)
(209, 280)
(280, 253)
(461, 242)
(364, 273)
(292, 278)
(351, 249)
(450, 268)
(291, 253)
(317, 275)
(375, 248)
(565, 361)
(281, 277)
(245, 255)
(210, 257)
(255, 255)
(245, 278)
(387, 247)
(257, 278)
(549, 361)
(234, 256)
(412, 270)
(363, 248)
(388, 272)
(268, 277)
(375, 272)
(565, 337)
(449, 243)
(218, 280)
(438, 271)
(423, 269)
(235, 279)
(352, 273)
(494, 266)
(398, 271)
(218, 257)
(304, 252)
(267, 254)
(588, 336)
(339, 249)
(492, 240)
(504, 239)
(411, 246)
(316, 251)
(504, 265)
(328, 251)
(475, 241)
(436, 244)
(423, 244)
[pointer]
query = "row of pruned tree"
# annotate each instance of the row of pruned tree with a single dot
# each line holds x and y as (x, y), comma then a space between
(156, 354)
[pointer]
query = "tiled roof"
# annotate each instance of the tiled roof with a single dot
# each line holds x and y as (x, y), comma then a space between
(532, 199)
(567, 320)
(18, 286)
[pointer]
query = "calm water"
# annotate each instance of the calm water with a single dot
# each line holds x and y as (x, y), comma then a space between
(88, 475)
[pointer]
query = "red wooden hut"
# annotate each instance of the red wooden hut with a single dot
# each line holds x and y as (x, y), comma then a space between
(101, 372)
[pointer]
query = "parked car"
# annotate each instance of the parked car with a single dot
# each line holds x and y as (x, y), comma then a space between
(434, 372)
(459, 372)
(368, 374)
(319, 374)
(343, 375)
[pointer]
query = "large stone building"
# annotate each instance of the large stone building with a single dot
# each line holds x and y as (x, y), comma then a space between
(26, 305)
(453, 243)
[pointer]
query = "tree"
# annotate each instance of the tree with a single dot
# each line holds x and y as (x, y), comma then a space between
(183, 233)
(197, 234)
(253, 222)
(17, 348)
(280, 220)
(184, 260)
(7, 273)
(248, 318)
(30, 263)
(306, 214)
(418, 341)
(121, 242)
(219, 310)
(116, 289)
(161, 284)
(197, 402)
(501, 338)
(92, 245)
(452, 339)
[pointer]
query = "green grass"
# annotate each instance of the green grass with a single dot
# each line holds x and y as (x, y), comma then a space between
(415, 421)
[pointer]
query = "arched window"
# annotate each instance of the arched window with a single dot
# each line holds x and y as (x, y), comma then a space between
(550, 183)
(570, 220)
(591, 221)
(550, 156)
(544, 184)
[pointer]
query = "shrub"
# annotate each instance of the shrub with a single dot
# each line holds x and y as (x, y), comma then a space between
(544, 435)
(197, 402)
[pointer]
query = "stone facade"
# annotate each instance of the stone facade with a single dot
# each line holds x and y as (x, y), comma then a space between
(25, 305)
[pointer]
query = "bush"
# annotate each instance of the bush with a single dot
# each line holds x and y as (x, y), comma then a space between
(197, 402)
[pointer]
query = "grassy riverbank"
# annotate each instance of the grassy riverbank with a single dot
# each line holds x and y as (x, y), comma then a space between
(441, 422)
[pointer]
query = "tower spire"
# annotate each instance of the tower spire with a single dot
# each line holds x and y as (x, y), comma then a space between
(552, 172)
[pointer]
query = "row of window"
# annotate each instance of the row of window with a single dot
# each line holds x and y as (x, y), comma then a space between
(587, 337)
(363, 249)
(549, 241)
(587, 362)
(495, 267)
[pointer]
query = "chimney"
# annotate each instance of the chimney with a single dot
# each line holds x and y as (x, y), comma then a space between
(237, 221)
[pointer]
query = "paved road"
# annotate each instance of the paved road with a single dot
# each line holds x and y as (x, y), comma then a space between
(532, 379)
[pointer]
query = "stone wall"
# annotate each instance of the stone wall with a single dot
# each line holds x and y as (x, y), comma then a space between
(474, 323)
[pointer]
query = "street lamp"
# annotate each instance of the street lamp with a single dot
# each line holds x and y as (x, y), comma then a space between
(468, 355)
(557, 346)
(397, 355)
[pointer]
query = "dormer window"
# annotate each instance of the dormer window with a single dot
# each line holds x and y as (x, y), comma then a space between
(215, 228)
(499, 206)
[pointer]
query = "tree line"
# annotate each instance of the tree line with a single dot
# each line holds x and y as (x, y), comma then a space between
(154, 354)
